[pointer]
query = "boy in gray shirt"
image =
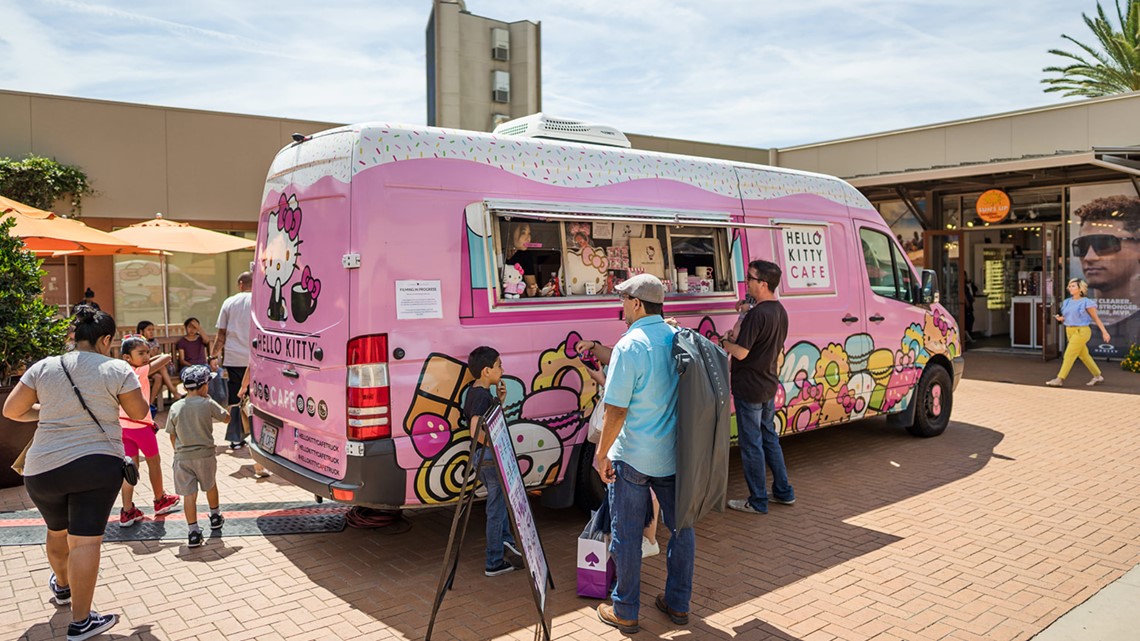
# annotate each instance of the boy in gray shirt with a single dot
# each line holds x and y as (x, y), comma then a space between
(191, 428)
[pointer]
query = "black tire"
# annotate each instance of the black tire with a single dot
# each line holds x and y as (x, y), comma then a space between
(589, 491)
(935, 399)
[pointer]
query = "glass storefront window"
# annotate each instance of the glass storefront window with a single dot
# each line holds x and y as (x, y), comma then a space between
(196, 286)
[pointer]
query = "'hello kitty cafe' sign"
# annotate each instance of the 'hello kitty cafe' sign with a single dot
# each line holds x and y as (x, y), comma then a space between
(806, 259)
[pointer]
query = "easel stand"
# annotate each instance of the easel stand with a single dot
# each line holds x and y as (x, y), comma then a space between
(534, 558)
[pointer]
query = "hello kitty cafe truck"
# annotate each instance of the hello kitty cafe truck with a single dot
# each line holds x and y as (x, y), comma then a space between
(382, 261)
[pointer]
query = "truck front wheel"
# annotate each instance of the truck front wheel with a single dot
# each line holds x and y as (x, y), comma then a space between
(935, 398)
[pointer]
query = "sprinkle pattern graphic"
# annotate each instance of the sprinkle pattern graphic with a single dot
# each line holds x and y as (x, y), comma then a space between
(557, 163)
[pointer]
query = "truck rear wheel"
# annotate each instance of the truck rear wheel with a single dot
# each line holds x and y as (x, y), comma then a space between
(935, 398)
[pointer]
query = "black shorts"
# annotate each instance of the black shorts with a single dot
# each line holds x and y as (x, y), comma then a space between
(78, 496)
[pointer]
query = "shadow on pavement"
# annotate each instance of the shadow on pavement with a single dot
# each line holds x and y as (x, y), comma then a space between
(838, 474)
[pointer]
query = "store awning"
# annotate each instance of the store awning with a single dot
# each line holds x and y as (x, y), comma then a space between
(1063, 168)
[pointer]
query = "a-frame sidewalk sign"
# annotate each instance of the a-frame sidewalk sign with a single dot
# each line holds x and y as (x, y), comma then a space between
(518, 508)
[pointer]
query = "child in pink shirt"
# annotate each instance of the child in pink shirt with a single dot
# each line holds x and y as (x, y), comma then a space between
(139, 436)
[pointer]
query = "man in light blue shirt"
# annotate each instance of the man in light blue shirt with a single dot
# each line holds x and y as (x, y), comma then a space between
(637, 453)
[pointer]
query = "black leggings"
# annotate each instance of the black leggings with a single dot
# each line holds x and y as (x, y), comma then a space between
(78, 496)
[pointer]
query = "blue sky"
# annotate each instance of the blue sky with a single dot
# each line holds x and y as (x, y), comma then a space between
(748, 72)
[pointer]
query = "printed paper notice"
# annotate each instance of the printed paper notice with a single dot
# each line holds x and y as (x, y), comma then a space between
(418, 299)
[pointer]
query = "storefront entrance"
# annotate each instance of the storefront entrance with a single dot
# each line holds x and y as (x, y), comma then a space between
(1003, 283)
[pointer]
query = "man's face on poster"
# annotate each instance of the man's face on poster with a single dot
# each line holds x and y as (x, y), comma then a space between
(1111, 256)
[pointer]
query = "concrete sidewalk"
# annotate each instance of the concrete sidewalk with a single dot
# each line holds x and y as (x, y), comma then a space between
(1111, 615)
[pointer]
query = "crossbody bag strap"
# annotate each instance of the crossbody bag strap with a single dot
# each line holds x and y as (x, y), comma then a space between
(82, 402)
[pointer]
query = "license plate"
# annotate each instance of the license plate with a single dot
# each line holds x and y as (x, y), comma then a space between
(268, 439)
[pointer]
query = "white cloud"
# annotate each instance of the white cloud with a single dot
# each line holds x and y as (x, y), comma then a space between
(747, 73)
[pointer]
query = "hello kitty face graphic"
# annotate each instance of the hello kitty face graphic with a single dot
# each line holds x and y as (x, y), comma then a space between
(280, 255)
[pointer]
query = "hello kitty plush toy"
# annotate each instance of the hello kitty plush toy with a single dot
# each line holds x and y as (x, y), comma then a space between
(513, 285)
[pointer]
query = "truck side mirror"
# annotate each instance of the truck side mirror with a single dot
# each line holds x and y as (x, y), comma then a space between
(930, 294)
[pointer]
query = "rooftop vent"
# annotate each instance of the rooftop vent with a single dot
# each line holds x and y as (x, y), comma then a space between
(540, 125)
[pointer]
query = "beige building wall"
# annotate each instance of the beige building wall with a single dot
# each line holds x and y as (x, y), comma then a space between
(460, 65)
(1077, 126)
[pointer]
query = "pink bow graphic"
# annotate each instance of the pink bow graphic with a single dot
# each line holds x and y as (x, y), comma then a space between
(288, 219)
(313, 285)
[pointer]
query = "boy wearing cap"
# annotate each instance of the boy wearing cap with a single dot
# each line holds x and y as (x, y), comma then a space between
(191, 428)
(637, 453)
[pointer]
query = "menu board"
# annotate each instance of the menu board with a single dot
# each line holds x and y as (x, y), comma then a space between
(518, 505)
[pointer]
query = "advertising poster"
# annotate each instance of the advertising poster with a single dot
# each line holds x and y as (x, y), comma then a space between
(1104, 235)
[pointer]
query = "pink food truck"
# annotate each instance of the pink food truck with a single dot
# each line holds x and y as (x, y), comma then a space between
(386, 253)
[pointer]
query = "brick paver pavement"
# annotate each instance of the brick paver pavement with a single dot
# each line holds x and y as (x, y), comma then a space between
(1024, 508)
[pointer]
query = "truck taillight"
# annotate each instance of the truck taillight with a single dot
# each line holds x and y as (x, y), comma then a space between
(369, 414)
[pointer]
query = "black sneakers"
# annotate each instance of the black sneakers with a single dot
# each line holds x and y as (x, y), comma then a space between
(195, 538)
(62, 595)
(503, 567)
(510, 547)
(216, 521)
(94, 624)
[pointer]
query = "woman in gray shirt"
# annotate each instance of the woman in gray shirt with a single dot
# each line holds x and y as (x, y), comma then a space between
(74, 468)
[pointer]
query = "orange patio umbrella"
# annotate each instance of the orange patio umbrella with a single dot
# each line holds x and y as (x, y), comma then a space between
(44, 232)
(168, 236)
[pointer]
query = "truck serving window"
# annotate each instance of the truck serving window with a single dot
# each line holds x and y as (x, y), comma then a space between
(583, 254)
(888, 273)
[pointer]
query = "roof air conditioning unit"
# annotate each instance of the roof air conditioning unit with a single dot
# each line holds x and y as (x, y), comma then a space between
(540, 125)
(501, 53)
(499, 95)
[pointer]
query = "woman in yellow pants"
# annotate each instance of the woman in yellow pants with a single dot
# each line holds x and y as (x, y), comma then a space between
(1078, 313)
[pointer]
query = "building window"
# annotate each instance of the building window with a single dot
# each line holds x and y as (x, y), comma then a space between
(501, 86)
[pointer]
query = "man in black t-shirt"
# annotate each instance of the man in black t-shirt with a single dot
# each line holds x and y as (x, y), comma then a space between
(755, 351)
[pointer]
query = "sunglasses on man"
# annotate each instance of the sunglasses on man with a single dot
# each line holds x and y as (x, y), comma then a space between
(1103, 244)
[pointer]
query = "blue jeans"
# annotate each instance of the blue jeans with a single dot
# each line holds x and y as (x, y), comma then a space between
(498, 525)
(629, 500)
(760, 446)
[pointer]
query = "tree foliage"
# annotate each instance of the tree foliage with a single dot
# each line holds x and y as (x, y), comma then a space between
(40, 182)
(1111, 65)
(29, 327)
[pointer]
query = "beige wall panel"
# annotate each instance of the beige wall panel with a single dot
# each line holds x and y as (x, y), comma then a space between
(121, 147)
(979, 141)
(803, 159)
(922, 148)
(1115, 124)
(217, 164)
(1047, 132)
(849, 159)
(15, 125)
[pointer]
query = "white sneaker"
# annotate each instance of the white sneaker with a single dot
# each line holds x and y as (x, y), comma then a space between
(1096, 380)
(1056, 382)
(649, 549)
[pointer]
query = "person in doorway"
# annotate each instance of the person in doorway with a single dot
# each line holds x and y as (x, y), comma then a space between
(1078, 313)
(522, 255)
(88, 299)
(232, 345)
(754, 380)
(74, 467)
(971, 295)
(637, 454)
(487, 368)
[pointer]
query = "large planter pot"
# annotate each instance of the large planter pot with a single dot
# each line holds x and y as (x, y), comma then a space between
(13, 437)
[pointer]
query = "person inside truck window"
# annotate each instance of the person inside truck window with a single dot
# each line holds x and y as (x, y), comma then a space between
(535, 248)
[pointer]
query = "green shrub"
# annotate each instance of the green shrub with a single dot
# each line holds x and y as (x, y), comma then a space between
(1131, 362)
(40, 181)
(29, 328)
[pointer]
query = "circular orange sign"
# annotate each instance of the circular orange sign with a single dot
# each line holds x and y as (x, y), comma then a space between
(993, 206)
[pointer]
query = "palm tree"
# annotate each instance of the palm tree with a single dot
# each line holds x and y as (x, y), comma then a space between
(1115, 60)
